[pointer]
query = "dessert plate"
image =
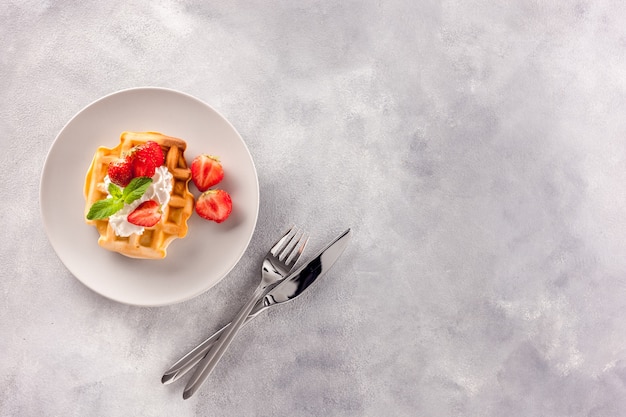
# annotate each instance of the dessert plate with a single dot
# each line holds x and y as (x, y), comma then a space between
(193, 264)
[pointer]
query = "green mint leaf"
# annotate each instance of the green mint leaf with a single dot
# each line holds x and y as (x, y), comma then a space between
(104, 208)
(109, 206)
(115, 191)
(135, 189)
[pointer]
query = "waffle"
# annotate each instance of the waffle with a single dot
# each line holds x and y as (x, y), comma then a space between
(153, 243)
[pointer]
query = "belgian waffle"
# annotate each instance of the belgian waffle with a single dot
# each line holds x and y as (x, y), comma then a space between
(152, 244)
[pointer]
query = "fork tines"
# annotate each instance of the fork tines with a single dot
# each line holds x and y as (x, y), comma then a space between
(285, 249)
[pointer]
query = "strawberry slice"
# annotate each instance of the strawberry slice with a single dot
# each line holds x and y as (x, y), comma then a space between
(206, 171)
(142, 164)
(120, 172)
(147, 214)
(215, 205)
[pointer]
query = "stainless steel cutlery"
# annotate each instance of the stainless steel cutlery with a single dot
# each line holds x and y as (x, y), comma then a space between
(275, 288)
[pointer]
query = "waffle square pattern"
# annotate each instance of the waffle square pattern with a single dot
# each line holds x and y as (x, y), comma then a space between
(153, 242)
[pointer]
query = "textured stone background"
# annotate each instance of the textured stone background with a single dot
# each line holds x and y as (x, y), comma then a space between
(477, 149)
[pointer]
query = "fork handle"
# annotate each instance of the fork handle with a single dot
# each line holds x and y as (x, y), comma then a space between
(208, 363)
(191, 359)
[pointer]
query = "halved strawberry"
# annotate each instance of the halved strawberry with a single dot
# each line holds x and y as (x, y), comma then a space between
(215, 205)
(206, 171)
(120, 172)
(142, 164)
(147, 214)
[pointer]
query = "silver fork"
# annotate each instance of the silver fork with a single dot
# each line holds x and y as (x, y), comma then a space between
(277, 264)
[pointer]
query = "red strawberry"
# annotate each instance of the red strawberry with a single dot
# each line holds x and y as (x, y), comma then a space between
(214, 205)
(206, 171)
(146, 158)
(120, 172)
(147, 214)
(155, 152)
(142, 164)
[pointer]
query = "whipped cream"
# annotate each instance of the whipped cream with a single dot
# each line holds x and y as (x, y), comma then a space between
(159, 190)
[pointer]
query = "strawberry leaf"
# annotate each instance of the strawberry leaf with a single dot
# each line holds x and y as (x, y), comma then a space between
(135, 189)
(104, 208)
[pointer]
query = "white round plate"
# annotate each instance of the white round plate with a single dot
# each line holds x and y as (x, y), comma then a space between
(193, 264)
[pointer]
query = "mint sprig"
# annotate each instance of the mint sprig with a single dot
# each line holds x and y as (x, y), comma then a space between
(102, 209)
(135, 189)
(115, 191)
